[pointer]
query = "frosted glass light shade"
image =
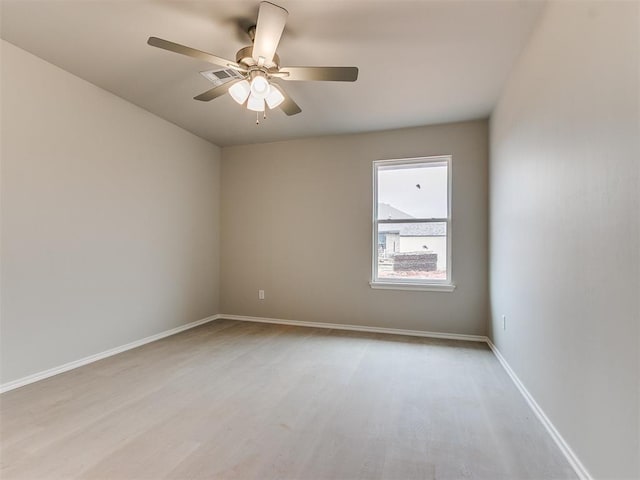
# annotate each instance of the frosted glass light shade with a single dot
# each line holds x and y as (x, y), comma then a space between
(274, 98)
(255, 103)
(260, 87)
(240, 91)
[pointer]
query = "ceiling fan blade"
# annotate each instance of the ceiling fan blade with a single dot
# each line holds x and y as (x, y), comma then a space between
(323, 74)
(271, 20)
(191, 52)
(288, 106)
(215, 92)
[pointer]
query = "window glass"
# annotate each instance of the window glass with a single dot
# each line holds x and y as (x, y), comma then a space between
(412, 221)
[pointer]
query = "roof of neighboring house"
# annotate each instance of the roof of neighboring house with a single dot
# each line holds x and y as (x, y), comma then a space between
(415, 229)
(386, 212)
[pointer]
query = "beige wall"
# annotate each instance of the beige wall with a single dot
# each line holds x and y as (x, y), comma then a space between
(283, 205)
(109, 220)
(565, 265)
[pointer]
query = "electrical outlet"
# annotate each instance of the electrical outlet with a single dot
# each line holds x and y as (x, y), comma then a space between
(504, 322)
(261, 294)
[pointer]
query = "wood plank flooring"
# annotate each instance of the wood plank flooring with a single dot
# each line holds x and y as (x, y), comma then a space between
(239, 400)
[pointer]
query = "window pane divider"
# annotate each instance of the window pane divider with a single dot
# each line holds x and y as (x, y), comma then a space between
(414, 220)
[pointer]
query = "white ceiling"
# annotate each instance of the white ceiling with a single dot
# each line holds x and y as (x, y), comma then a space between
(421, 62)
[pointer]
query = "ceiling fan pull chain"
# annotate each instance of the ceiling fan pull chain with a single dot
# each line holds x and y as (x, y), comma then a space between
(265, 115)
(257, 118)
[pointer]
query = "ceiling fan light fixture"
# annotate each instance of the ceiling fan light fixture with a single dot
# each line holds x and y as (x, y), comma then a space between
(256, 64)
(274, 98)
(240, 91)
(260, 87)
(255, 103)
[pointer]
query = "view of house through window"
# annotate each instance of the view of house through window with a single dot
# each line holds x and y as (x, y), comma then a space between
(411, 221)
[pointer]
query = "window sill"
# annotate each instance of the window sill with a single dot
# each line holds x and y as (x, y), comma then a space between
(423, 287)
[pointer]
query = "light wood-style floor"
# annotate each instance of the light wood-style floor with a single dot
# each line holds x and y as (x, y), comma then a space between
(237, 400)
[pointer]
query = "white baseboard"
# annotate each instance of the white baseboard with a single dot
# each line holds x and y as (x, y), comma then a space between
(5, 387)
(108, 353)
(358, 328)
(571, 457)
(564, 447)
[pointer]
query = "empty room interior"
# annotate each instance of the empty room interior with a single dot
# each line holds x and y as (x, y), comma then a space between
(320, 239)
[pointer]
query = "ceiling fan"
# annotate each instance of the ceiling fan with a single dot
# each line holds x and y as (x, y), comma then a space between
(258, 65)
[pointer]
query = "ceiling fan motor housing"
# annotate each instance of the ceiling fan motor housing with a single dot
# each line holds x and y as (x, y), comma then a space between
(245, 59)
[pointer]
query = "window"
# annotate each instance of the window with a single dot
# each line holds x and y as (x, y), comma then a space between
(412, 224)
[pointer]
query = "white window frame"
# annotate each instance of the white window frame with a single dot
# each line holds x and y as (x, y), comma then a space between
(444, 285)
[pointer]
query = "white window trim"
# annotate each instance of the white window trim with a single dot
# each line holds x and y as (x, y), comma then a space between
(446, 285)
